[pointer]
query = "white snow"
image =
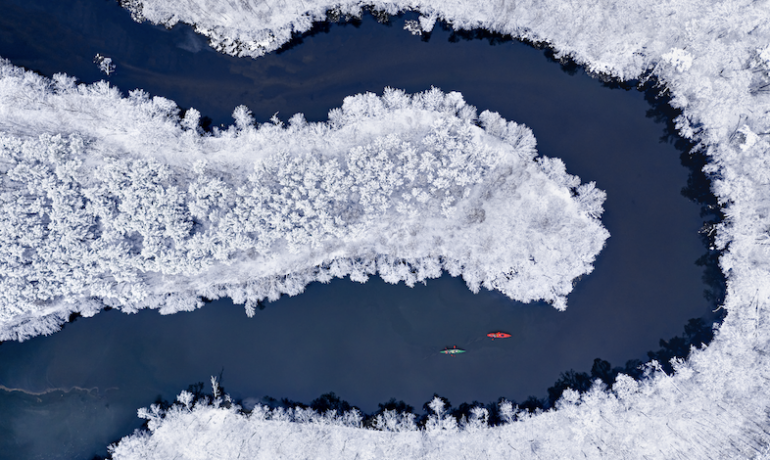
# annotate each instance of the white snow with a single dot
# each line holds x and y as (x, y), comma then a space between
(117, 201)
(712, 56)
(656, 418)
(680, 59)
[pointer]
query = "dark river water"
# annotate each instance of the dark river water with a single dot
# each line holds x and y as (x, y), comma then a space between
(69, 395)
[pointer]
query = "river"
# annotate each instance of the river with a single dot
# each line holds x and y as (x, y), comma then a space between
(68, 395)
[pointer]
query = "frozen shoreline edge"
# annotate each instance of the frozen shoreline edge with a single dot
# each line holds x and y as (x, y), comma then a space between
(145, 210)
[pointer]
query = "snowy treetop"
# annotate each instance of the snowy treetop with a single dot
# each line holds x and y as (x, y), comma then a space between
(135, 207)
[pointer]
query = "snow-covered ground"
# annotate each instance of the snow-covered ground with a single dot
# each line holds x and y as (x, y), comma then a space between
(117, 201)
(714, 59)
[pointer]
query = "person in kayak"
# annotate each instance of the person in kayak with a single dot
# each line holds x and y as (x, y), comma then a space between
(452, 351)
(498, 335)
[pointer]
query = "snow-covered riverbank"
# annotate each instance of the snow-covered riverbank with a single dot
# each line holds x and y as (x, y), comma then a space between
(117, 201)
(713, 58)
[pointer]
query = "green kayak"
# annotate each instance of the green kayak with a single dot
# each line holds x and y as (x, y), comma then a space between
(452, 351)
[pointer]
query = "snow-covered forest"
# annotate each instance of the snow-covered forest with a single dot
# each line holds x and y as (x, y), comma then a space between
(119, 202)
(713, 58)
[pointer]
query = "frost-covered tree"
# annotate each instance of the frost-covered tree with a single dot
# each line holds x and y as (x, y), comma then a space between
(105, 64)
(401, 186)
(653, 418)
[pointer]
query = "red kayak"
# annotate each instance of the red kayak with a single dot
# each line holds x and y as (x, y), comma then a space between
(498, 335)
